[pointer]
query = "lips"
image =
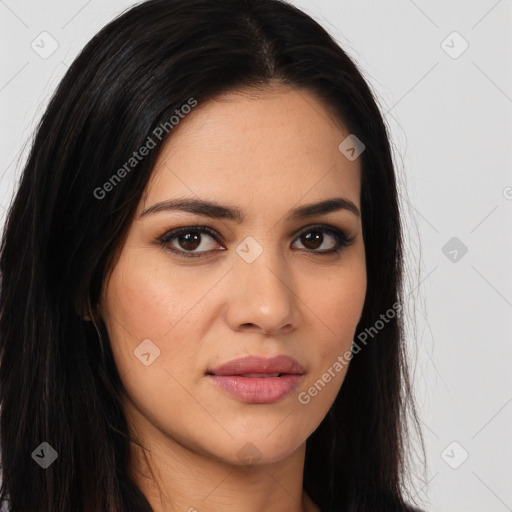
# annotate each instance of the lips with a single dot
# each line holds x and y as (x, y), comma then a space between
(260, 366)
(258, 380)
(260, 374)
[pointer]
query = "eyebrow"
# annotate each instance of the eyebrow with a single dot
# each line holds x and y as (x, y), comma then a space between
(215, 210)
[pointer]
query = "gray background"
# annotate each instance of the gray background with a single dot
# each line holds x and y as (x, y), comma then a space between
(449, 115)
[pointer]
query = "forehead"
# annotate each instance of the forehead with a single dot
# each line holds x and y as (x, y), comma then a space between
(256, 146)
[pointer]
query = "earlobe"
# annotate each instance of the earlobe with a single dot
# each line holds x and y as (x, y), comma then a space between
(81, 312)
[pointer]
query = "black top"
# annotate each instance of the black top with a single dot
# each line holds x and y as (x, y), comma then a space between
(336, 509)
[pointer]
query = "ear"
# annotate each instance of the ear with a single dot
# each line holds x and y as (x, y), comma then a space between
(82, 311)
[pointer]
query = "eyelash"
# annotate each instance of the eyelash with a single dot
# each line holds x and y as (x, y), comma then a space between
(342, 239)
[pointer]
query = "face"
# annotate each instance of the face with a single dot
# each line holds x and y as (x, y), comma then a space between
(263, 282)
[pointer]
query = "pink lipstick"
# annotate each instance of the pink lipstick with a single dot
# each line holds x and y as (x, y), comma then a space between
(258, 379)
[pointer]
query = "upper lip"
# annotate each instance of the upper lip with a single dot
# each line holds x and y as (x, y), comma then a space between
(259, 364)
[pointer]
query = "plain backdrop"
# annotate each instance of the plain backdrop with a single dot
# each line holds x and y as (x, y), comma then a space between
(441, 73)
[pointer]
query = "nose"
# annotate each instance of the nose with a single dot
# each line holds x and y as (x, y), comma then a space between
(262, 298)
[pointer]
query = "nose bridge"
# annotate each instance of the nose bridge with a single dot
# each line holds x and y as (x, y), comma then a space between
(263, 291)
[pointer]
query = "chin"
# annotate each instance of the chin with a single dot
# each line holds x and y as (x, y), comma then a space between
(251, 450)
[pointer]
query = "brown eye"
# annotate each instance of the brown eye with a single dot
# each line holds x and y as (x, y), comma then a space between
(191, 241)
(314, 238)
(186, 241)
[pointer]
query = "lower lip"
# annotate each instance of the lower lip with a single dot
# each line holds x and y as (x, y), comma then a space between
(257, 390)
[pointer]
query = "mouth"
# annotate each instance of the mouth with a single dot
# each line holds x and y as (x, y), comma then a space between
(260, 366)
(258, 380)
(253, 375)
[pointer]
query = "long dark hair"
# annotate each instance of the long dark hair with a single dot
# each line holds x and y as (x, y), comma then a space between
(59, 383)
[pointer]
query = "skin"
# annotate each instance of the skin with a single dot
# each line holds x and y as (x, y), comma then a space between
(264, 152)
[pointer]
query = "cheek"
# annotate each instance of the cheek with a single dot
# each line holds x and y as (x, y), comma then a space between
(144, 302)
(338, 303)
(336, 309)
(150, 297)
(152, 325)
(346, 313)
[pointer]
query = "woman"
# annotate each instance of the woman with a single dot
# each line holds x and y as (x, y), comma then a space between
(202, 276)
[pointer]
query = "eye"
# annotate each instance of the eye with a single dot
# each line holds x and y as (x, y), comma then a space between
(187, 242)
(187, 239)
(312, 238)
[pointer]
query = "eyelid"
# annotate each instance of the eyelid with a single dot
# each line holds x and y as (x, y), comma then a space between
(323, 227)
